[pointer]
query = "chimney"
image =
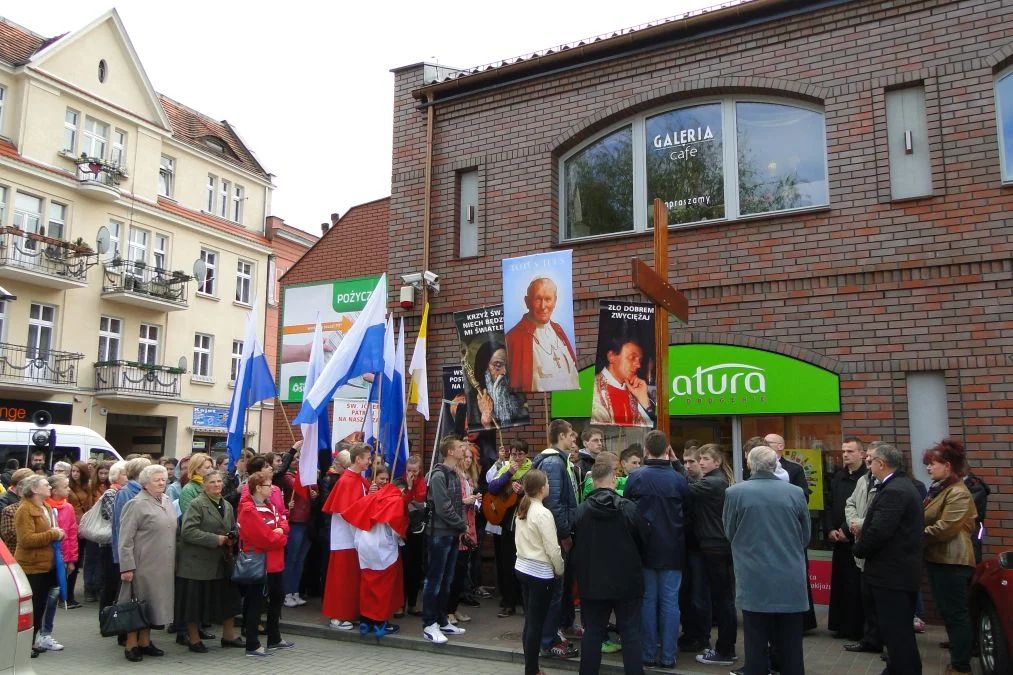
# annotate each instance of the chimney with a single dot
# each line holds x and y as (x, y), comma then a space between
(273, 223)
(334, 219)
(324, 227)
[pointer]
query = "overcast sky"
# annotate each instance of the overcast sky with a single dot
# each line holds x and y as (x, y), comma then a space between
(307, 83)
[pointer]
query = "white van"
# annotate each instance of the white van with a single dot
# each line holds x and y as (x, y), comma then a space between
(73, 443)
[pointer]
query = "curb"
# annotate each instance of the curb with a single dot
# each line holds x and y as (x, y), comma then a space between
(454, 648)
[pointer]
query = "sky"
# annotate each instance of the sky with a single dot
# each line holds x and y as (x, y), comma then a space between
(307, 84)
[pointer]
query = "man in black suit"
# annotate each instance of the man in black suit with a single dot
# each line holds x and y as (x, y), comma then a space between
(891, 544)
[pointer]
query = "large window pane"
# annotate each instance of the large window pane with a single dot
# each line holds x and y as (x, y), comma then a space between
(1004, 94)
(685, 164)
(599, 186)
(781, 158)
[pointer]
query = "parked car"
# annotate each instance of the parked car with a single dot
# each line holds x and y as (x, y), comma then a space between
(992, 612)
(73, 443)
(15, 617)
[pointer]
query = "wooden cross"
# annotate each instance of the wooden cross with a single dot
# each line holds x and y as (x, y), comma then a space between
(654, 284)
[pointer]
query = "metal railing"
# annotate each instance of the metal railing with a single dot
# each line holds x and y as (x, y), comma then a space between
(39, 253)
(137, 277)
(130, 377)
(20, 363)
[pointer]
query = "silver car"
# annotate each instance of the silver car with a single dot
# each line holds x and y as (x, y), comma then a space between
(15, 617)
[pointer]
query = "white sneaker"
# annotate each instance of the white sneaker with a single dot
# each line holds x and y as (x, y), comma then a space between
(290, 601)
(434, 634)
(451, 629)
(341, 625)
(47, 643)
(299, 601)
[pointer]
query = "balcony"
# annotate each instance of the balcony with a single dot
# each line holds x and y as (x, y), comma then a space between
(32, 368)
(37, 259)
(134, 283)
(98, 178)
(129, 379)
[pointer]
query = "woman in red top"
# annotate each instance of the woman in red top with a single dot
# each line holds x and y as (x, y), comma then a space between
(261, 529)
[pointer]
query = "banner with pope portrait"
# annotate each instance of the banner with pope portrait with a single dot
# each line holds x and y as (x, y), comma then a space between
(624, 391)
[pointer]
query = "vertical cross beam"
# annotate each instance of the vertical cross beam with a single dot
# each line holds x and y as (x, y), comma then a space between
(661, 318)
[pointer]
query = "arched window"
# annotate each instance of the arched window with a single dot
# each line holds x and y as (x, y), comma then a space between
(720, 159)
(1004, 115)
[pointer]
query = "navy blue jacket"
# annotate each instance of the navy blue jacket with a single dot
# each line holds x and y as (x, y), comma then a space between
(562, 498)
(661, 495)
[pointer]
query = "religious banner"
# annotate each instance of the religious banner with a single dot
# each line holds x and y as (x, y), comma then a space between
(812, 462)
(491, 402)
(455, 403)
(624, 392)
(348, 418)
(538, 308)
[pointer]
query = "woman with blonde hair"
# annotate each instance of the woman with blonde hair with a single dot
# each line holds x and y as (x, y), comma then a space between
(539, 565)
(200, 465)
(467, 472)
(36, 531)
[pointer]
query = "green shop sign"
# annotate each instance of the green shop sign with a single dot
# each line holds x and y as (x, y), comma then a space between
(351, 295)
(707, 379)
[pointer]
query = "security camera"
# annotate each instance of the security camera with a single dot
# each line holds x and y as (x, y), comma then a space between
(413, 279)
(431, 277)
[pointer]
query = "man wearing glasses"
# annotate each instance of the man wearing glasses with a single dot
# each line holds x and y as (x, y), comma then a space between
(890, 541)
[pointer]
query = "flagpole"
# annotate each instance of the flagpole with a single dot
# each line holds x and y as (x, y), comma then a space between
(288, 423)
(400, 437)
(436, 439)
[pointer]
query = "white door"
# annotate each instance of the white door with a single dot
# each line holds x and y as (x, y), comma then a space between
(39, 357)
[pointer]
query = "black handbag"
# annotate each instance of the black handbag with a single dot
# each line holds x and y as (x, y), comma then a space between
(124, 617)
(250, 567)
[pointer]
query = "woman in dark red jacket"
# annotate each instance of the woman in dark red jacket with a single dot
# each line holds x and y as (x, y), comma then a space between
(263, 531)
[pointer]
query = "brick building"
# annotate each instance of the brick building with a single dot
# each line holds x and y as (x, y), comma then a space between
(838, 183)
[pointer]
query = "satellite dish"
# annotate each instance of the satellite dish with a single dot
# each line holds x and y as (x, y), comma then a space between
(103, 240)
(181, 364)
(200, 270)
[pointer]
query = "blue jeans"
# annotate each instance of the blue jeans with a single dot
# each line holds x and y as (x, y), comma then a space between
(295, 556)
(660, 613)
(439, 576)
(52, 601)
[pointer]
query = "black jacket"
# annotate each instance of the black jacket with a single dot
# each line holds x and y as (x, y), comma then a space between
(892, 536)
(706, 508)
(796, 475)
(447, 503)
(610, 539)
(662, 498)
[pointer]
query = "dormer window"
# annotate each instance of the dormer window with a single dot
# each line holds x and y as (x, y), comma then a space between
(216, 144)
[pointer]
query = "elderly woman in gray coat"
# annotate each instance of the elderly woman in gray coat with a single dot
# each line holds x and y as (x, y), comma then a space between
(206, 593)
(147, 548)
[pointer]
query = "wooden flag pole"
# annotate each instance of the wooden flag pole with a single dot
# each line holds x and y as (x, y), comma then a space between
(288, 422)
(545, 402)
(661, 317)
(397, 451)
(436, 439)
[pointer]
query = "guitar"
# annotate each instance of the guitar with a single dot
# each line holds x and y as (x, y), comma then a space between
(495, 507)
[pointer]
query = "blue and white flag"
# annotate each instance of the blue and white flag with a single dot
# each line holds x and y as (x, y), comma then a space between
(316, 435)
(360, 352)
(392, 413)
(253, 384)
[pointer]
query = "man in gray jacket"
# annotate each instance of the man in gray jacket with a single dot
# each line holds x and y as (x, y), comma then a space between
(767, 522)
(855, 508)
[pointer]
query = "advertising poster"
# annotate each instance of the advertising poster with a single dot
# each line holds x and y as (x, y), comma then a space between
(812, 462)
(491, 401)
(538, 315)
(338, 303)
(819, 581)
(624, 392)
(347, 419)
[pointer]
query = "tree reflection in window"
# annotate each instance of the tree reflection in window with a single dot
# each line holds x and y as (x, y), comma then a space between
(780, 157)
(599, 186)
(685, 167)
(1004, 96)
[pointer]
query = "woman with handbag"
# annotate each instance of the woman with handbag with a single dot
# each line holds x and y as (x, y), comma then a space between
(80, 497)
(147, 551)
(98, 483)
(206, 592)
(262, 535)
(36, 531)
(110, 568)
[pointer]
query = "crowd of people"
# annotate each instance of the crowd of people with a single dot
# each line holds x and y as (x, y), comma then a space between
(654, 550)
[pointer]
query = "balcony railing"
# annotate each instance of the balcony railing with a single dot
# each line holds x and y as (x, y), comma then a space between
(137, 379)
(146, 284)
(35, 365)
(39, 254)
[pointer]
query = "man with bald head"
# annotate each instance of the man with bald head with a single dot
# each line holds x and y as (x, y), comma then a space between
(541, 356)
(796, 474)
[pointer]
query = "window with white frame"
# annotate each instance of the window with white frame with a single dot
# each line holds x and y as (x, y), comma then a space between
(244, 281)
(212, 190)
(210, 285)
(95, 138)
(1004, 113)
(719, 159)
(110, 335)
(224, 200)
(202, 347)
(3, 205)
(237, 357)
(166, 175)
(147, 344)
(41, 325)
(70, 122)
(3, 319)
(115, 233)
(27, 217)
(57, 226)
(237, 203)
(3, 101)
(118, 155)
(160, 253)
(137, 249)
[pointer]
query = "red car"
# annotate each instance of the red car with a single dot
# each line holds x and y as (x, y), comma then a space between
(992, 612)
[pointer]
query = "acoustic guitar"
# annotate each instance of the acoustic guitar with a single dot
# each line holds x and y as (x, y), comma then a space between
(495, 507)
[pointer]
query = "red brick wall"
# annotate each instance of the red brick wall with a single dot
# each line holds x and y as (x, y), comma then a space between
(873, 289)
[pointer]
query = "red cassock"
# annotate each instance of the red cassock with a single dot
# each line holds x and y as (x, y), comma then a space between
(381, 522)
(341, 592)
